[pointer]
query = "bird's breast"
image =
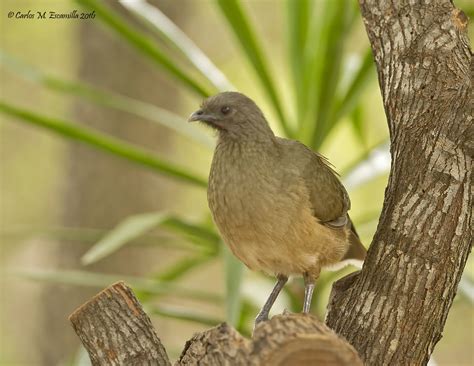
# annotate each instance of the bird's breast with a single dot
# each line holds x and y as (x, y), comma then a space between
(240, 191)
(243, 188)
(254, 202)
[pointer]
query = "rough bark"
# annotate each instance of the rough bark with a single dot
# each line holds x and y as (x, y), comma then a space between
(115, 330)
(299, 339)
(221, 345)
(394, 310)
(288, 339)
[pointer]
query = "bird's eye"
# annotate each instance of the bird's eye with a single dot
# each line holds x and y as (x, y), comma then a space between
(225, 109)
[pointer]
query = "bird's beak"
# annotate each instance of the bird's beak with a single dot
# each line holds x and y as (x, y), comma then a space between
(199, 115)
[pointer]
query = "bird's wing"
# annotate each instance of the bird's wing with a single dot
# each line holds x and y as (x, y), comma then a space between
(328, 197)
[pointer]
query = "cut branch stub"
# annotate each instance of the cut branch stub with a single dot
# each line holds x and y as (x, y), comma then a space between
(221, 345)
(300, 339)
(115, 330)
(289, 339)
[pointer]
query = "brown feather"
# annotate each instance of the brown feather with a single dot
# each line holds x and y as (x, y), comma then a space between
(356, 249)
(278, 205)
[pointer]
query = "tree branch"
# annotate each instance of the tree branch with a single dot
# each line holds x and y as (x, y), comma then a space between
(115, 330)
(394, 310)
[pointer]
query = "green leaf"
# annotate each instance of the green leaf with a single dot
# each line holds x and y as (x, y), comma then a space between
(322, 69)
(357, 119)
(127, 230)
(177, 38)
(198, 234)
(362, 158)
(246, 35)
(103, 142)
(337, 16)
(90, 235)
(247, 315)
(234, 270)
(181, 267)
(299, 20)
(347, 104)
(146, 46)
(173, 313)
(176, 271)
(137, 225)
(364, 74)
(314, 61)
(109, 99)
(100, 280)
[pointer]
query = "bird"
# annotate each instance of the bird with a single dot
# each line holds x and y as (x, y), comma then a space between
(278, 205)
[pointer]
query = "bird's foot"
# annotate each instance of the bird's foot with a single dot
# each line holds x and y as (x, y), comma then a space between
(263, 314)
(260, 319)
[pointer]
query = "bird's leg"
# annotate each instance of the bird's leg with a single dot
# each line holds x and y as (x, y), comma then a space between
(263, 314)
(308, 292)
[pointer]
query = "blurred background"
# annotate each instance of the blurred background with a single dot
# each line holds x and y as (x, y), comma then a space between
(102, 179)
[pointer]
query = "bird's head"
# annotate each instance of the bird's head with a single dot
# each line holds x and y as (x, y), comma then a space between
(234, 115)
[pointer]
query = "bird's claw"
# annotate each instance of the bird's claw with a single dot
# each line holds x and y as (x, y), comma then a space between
(260, 319)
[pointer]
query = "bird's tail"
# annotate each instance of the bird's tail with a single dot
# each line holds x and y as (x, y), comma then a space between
(355, 254)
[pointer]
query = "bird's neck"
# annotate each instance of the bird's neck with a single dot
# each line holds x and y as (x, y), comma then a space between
(242, 153)
(247, 133)
(241, 142)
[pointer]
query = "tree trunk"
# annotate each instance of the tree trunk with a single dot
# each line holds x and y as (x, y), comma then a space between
(394, 310)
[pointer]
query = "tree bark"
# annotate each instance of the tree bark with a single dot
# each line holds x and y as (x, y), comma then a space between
(288, 339)
(115, 330)
(394, 310)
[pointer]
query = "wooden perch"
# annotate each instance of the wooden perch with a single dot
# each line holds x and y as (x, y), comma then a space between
(288, 339)
(116, 331)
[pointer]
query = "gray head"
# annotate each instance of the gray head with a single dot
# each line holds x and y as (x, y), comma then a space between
(234, 115)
